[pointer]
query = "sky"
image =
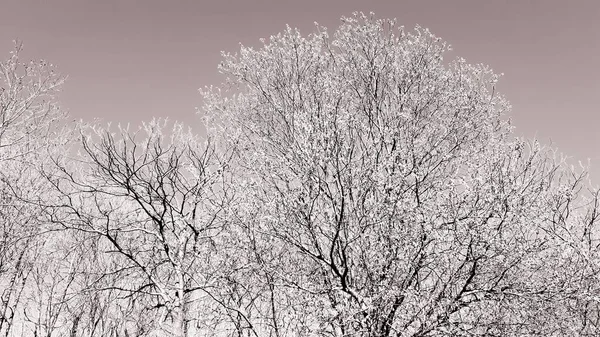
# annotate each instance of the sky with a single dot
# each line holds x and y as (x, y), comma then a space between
(130, 60)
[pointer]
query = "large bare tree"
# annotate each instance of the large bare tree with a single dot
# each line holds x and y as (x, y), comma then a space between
(386, 194)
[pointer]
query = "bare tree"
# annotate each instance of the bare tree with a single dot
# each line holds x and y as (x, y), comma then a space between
(156, 206)
(387, 196)
(31, 127)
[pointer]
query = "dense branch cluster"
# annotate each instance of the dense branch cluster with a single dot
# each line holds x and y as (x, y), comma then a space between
(350, 184)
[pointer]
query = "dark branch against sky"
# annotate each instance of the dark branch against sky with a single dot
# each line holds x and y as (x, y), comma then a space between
(129, 61)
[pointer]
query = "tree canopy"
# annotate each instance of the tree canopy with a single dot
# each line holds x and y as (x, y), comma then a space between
(353, 183)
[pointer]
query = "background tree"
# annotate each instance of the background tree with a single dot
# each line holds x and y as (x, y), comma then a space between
(31, 128)
(387, 196)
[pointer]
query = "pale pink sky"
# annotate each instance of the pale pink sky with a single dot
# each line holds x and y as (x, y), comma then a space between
(130, 60)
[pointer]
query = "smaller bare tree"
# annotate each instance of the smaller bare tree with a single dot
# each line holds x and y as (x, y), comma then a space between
(156, 205)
